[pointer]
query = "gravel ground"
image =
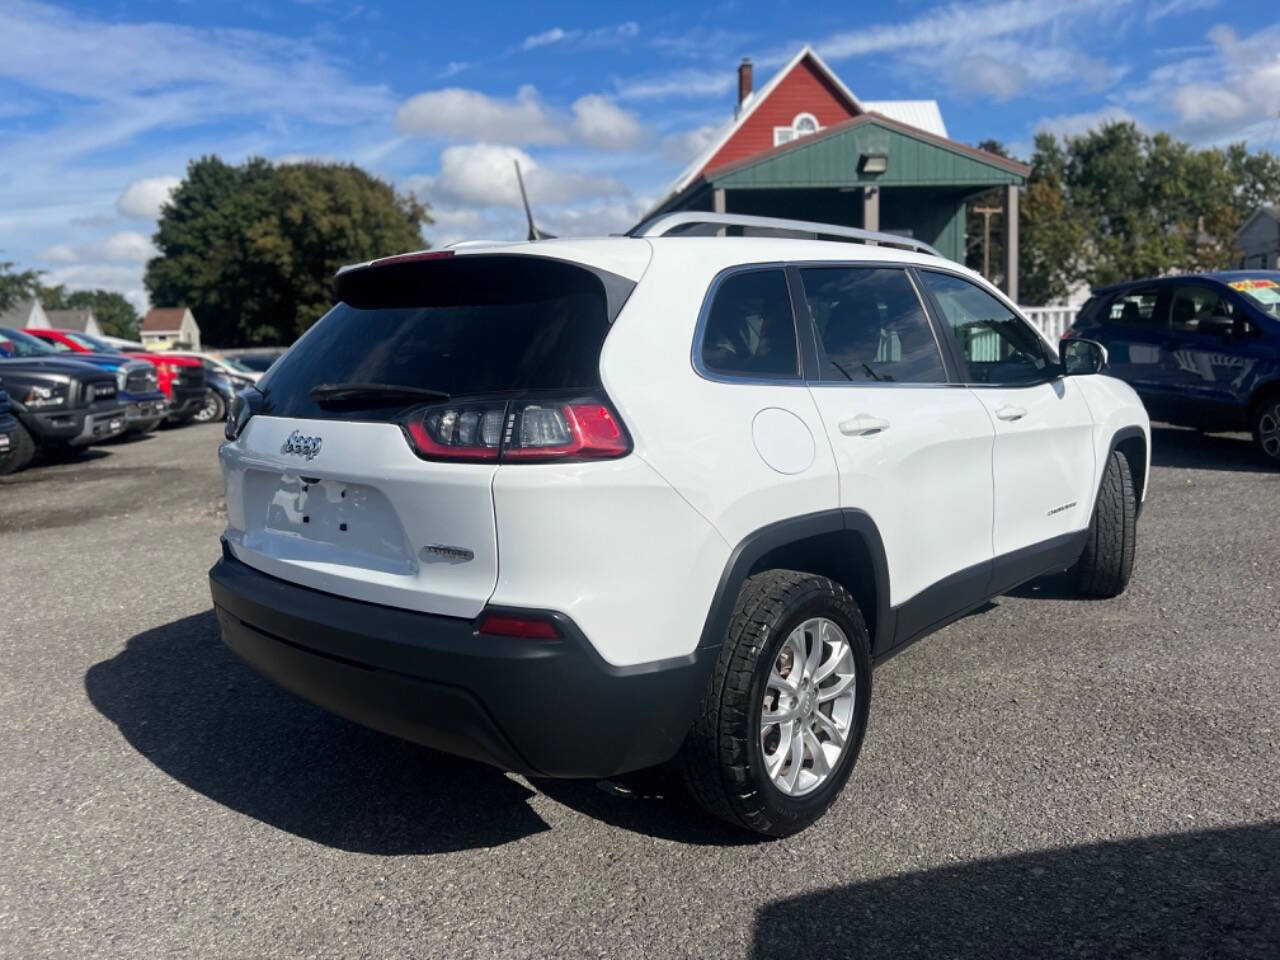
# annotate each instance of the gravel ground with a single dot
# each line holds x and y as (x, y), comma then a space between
(1047, 777)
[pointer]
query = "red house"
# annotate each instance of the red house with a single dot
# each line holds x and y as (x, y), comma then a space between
(805, 147)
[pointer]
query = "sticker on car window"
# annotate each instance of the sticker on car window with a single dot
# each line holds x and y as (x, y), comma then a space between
(1261, 289)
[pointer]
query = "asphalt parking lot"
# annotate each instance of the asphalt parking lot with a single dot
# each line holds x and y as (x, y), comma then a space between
(1047, 777)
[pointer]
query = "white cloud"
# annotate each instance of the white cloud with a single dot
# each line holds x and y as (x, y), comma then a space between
(599, 122)
(1159, 9)
(1076, 124)
(983, 73)
(143, 199)
(483, 175)
(956, 25)
(546, 37)
(680, 83)
(1231, 92)
(460, 114)
(681, 148)
(127, 246)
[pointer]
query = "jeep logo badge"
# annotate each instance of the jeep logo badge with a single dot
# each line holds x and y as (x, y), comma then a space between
(303, 446)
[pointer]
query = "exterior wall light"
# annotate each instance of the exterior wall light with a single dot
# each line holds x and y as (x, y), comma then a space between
(873, 163)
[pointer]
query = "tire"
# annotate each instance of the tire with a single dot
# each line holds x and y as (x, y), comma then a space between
(213, 411)
(180, 420)
(723, 759)
(1266, 428)
(1106, 564)
(21, 450)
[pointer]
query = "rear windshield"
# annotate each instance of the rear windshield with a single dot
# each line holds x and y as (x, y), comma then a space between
(466, 326)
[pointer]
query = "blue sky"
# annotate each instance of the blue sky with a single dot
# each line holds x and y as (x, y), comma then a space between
(102, 104)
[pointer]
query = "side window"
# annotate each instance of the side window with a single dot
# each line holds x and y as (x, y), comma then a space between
(996, 346)
(1137, 308)
(750, 331)
(871, 326)
(1196, 309)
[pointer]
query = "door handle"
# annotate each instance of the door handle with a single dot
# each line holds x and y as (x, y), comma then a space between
(1010, 413)
(863, 426)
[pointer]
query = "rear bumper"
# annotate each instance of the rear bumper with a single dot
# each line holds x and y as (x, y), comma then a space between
(541, 708)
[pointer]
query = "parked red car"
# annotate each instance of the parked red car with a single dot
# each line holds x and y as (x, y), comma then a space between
(181, 378)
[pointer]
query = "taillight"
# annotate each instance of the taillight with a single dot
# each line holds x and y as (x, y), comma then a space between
(518, 430)
(1069, 333)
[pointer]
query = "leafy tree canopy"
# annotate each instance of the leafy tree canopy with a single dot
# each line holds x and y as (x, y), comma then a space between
(15, 285)
(114, 313)
(252, 248)
(1117, 203)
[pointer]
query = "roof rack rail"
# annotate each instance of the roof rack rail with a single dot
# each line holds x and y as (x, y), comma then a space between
(665, 224)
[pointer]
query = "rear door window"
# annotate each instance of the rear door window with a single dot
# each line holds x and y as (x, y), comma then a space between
(750, 331)
(871, 326)
(465, 326)
(1135, 308)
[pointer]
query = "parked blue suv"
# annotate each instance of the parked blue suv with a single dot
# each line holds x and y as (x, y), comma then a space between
(1201, 350)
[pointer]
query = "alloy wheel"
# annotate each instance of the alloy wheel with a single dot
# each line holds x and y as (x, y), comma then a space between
(807, 713)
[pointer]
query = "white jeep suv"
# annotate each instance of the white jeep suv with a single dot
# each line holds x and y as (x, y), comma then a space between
(581, 507)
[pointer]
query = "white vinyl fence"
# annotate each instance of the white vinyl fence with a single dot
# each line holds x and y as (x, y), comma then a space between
(1051, 320)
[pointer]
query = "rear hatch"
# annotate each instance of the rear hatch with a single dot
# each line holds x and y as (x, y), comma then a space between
(363, 462)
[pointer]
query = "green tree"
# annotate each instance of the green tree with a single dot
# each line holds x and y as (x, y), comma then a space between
(114, 313)
(252, 249)
(1117, 203)
(15, 285)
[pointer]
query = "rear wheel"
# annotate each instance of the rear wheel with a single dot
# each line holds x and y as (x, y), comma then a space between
(1266, 428)
(782, 721)
(213, 411)
(1106, 564)
(21, 449)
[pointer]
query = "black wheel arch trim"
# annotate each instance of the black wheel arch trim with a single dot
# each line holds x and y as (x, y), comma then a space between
(781, 533)
(1117, 438)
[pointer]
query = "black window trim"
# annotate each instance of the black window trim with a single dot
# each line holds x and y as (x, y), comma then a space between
(1161, 292)
(939, 318)
(704, 314)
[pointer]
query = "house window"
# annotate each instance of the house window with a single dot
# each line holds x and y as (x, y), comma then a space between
(802, 125)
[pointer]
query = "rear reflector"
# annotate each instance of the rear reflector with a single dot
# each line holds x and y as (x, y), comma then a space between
(529, 628)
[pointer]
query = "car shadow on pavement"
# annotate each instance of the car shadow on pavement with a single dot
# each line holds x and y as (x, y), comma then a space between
(191, 707)
(1214, 893)
(195, 710)
(1187, 449)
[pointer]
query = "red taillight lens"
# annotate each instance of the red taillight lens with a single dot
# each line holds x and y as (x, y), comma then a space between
(556, 431)
(518, 430)
(1069, 334)
(507, 625)
(466, 431)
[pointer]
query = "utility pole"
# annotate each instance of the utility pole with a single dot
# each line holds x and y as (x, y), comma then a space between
(987, 214)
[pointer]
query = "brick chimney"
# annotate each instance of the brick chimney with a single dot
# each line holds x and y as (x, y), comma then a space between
(744, 81)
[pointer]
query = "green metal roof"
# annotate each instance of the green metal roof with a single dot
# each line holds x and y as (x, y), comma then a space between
(831, 158)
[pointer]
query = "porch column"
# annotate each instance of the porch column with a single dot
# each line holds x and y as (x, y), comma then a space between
(717, 206)
(1011, 241)
(871, 208)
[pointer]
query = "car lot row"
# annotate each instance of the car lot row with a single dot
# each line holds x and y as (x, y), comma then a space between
(62, 391)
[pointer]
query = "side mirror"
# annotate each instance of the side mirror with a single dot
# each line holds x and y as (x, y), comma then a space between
(1083, 357)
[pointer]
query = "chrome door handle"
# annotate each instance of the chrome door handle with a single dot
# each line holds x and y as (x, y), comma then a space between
(863, 426)
(1010, 413)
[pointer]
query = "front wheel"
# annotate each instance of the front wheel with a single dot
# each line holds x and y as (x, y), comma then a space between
(1106, 564)
(21, 450)
(782, 721)
(213, 411)
(1266, 429)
